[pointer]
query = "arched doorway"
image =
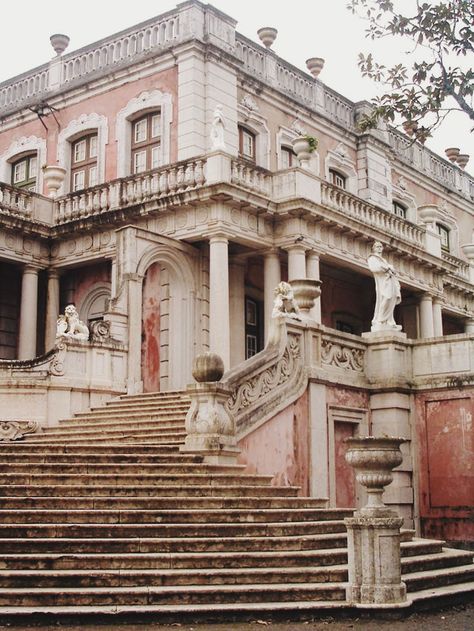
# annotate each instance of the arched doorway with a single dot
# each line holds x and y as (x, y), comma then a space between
(151, 328)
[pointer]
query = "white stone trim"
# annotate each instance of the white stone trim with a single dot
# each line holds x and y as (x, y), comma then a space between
(285, 137)
(146, 101)
(257, 124)
(18, 147)
(339, 160)
(401, 195)
(97, 290)
(447, 219)
(76, 128)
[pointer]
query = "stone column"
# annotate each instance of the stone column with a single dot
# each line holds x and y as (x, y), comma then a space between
(296, 262)
(52, 308)
(437, 317)
(134, 307)
(28, 313)
(426, 316)
(469, 325)
(219, 333)
(272, 276)
(237, 311)
(312, 267)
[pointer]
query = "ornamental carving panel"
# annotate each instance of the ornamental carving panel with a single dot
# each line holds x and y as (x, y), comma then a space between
(16, 430)
(342, 355)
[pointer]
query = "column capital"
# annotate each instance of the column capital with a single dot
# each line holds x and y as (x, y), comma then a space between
(31, 268)
(299, 246)
(426, 296)
(219, 237)
(54, 272)
(270, 252)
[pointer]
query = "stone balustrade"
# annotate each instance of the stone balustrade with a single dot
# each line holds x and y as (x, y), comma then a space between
(22, 203)
(462, 268)
(252, 177)
(341, 200)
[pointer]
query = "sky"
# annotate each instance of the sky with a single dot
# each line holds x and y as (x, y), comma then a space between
(306, 28)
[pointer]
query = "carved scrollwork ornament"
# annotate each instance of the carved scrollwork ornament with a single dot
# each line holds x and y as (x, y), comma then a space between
(333, 354)
(16, 430)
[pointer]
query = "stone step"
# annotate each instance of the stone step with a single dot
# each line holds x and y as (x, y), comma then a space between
(431, 579)
(121, 468)
(445, 559)
(117, 479)
(145, 396)
(69, 459)
(135, 436)
(174, 490)
(190, 594)
(420, 546)
(136, 545)
(135, 414)
(109, 432)
(149, 531)
(193, 560)
(201, 515)
(169, 578)
(73, 447)
(95, 423)
(162, 503)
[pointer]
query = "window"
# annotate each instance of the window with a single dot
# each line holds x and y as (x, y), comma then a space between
(444, 234)
(246, 144)
(84, 162)
(399, 209)
(287, 156)
(345, 327)
(253, 327)
(24, 172)
(146, 139)
(337, 178)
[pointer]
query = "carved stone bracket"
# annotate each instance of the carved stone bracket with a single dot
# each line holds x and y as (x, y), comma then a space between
(16, 430)
(56, 365)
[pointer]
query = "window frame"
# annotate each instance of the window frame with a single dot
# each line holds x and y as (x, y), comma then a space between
(402, 208)
(150, 144)
(444, 230)
(334, 174)
(29, 182)
(245, 132)
(287, 151)
(88, 164)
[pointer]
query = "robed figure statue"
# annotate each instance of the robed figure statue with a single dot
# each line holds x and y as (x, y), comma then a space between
(387, 290)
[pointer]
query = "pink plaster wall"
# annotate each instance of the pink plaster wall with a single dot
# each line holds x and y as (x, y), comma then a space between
(107, 104)
(446, 463)
(76, 284)
(280, 447)
(151, 329)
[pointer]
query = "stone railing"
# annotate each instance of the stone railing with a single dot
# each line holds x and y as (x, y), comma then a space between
(21, 203)
(252, 177)
(25, 87)
(341, 200)
(269, 381)
(135, 189)
(449, 359)
(462, 268)
(342, 351)
(106, 54)
(72, 377)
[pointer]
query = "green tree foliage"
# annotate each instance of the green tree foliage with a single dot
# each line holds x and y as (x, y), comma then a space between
(423, 94)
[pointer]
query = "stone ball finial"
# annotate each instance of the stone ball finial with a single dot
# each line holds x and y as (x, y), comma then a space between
(315, 65)
(208, 367)
(267, 35)
(59, 42)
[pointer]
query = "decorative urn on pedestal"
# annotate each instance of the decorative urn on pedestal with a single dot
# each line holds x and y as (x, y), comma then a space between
(267, 35)
(462, 160)
(59, 42)
(53, 177)
(452, 153)
(315, 65)
(303, 146)
(305, 292)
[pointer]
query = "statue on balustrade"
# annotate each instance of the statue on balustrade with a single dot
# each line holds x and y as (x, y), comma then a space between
(284, 303)
(69, 325)
(217, 130)
(387, 289)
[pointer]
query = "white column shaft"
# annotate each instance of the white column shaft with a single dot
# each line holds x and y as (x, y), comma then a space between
(296, 262)
(271, 278)
(219, 332)
(437, 319)
(312, 269)
(52, 309)
(237, 312)
(426, 316)
(28, 314)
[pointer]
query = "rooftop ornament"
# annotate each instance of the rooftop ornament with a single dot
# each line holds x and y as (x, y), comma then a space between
(267, 35)
(315, 65)
(59, 42)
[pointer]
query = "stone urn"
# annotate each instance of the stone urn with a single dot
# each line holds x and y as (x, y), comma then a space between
(452, 153)
(315, 65)
(267, 35)
(53, 177)
(208, 367)
(374, 458)
(303, 146)
(468, 249)
(59, 42)
(305, 292)
(462, 160)
(428, 214)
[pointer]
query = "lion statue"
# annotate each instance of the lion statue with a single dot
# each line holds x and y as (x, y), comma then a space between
(284, 303)
(69, 325)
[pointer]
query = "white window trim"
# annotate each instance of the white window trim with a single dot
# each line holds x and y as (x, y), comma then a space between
(405, 198)
(284, 138)
(30, 144)
(96, 291)
(256, 124)
(76, 128)
(146, 101)
(340, 161)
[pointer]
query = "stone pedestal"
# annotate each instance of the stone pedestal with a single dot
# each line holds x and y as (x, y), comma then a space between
(373, 547)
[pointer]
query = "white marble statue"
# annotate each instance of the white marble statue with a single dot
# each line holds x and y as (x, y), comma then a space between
(284, 303)
(69, 325)
(387, 289)
(217, 130)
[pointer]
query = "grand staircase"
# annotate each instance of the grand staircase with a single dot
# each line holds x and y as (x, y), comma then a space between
(104, 517)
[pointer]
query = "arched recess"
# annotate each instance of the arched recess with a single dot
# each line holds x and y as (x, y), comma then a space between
(95, 303)
(171, 271)
(21, 146)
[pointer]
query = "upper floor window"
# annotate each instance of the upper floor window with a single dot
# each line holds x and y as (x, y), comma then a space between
(146, 140)
(336, 178)
(246, 144)
(24, 172)
(444, 234)
(287, 157)
(84, 162)
(399, 209)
